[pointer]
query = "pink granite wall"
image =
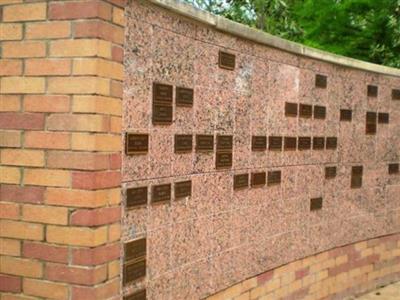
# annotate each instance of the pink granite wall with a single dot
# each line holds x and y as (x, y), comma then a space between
(201, 244)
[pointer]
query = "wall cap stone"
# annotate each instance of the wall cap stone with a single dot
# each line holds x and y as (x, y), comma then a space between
(246, 32)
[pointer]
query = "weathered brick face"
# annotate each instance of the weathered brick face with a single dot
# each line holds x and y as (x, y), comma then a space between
(60, 143)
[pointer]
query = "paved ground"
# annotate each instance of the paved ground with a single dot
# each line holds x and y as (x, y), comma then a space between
(390, 292)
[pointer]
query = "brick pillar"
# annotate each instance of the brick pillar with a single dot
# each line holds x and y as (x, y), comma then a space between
(60, 139)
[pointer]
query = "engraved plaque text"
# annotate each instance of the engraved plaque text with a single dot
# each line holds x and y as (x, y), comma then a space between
(318, 143)
(319, 112)
(346, 115)
(331, 143)
(226, 60)
(275, 143)
(305, 111)
(291, 109)
(223, 160)
(183, 189)
(330, 172)
(316, 204)
(204, 143)
(136, 143)
(383, 118)
(136, 196)
(372, 91)
(321, 81)
(134, 270)
(183, 143)
(394, 169)
(240, 181)
(304, 143)
(184, 96)
(161, 193)
(290, 143)
(135, 249)
(274, 177)
(258, 143)
(258, 179)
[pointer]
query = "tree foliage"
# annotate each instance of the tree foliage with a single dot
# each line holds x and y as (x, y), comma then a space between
(364, 29)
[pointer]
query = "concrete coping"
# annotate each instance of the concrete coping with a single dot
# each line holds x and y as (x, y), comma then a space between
(258, 36)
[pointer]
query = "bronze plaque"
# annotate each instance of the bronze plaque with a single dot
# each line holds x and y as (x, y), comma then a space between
(370, 128)
(318, 143)
(204, 142)
(162, 114)
(321, 81)
(290, 143)
(258, 179)
(183, 143)
(304, 143)
(135, 249)
(305, 111)
(394, 169)
(240, 181)
(291, 109)
(139, 295)
(223, 160)
(331, 143)
(184, 96)
(183, 189)
(275, 143)
(161, 193)
(372, 91)
(224, 142)
(395, 94)
(134, 270)
(226, 60)
(274, 177)
(136, 196)
(346, 115)
(258, 143)
(319, 112)
(383, 118)
(371, 117)
(162, 93)
(316, 203)
(136, 143)
(356, 176)
(330, 172)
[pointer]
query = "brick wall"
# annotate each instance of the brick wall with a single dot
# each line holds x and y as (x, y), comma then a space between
(60, 124)
(334, 274)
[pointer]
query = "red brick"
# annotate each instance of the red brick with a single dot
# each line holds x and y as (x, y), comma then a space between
(96, 217)
(96, 180)
(46, 103)
(80, 10)
(9, 67)
(339, 269)
(77, 275)
(34, 67)
(99, 29)
(116, 89)
(115, 161)
(45, 252)
(47, 140)
(104, 291)
(9, 211)
(10, 284)
(95, 256)
(302, 273)
(16, 193)
(117, 54)
(77, 160)
(22, 121)
(264, 277)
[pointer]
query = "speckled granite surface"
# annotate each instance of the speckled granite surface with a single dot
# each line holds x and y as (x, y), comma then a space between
(217, 237)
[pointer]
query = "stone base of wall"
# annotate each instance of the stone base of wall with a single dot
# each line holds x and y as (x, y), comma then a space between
(335, 274)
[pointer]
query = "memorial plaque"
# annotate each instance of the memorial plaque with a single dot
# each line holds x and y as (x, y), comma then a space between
(258, 179)
(240, 181)
(258, 143)
(356, 176)
(305, 111)
(183, 143)
(223, 160)
(134, 270)
(316, 204)
(139, 295)
(162, 93)
(394, 169)
(275, 143)
(346, 115)
(331, 143)
(136, 143)
(372, 91)
(183, 189)
(383, 118)
(304, 143)
(290, 143)
(321, 81)
(371, 117)
(396, 94)
(318, 143)
(319, 112)
(226, 60)
(291, 109)
(136, 197)
(204, 143)
(330, 172)
(162, 114)
(135, 249)
(370, 128)
(161, 193)
(274, 177)
(184, 97)
(224, 142)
